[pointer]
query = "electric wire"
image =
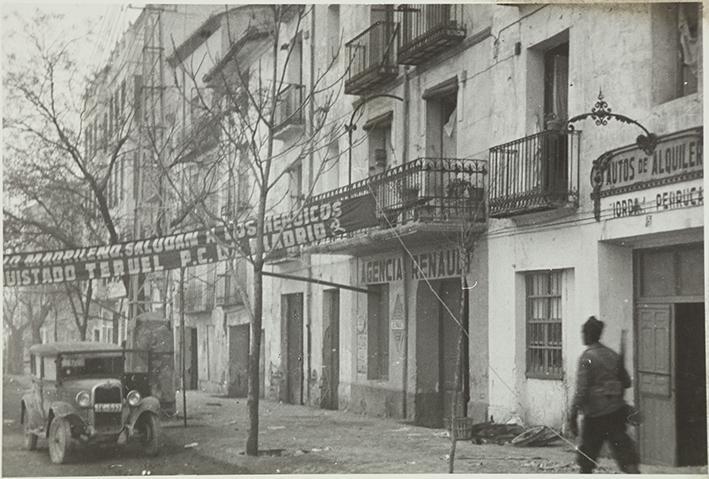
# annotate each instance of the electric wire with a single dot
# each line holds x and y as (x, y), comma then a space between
(461, 327)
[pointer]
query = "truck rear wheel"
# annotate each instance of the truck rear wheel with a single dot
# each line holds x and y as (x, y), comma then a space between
(30, 439)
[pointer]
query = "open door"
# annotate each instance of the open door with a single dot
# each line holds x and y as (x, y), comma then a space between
(657, 434)
(330, 349)
(292, 347)
(238, 360)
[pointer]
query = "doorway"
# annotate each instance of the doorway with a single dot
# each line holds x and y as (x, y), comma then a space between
(238, 360)
(193, 364)
(437, 334)
(691, 382)
(292, 347)
(671, 368)
(330, 349)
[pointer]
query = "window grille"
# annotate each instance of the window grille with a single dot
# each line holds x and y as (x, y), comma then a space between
(544, 325)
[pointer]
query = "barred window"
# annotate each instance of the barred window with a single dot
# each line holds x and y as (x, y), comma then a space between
(544, 325)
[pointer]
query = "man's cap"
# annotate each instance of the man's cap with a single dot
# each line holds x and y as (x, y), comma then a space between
(593, 325)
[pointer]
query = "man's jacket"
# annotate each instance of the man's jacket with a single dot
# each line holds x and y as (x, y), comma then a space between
(600, 382)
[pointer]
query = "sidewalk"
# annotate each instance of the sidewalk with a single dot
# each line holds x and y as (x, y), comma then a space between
(305, 440)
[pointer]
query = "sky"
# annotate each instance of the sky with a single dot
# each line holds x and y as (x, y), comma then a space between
(110, 20)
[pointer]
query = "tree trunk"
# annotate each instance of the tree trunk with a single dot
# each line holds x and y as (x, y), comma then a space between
(15, 353)
(458, 368)
(254, 360)
(36, 334)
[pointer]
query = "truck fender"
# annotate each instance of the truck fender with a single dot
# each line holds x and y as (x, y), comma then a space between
(149, 404)
(31, 414)
(64, 410)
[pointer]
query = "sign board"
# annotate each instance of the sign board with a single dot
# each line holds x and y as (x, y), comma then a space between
(435, 264)
(677, 157)
(654, 200)
(317, 220)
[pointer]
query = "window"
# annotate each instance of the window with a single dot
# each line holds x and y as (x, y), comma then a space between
(379, 138)
(543, 325)
(556, 83)
(136, 175)
(107, 333)
(378, 332)
(123, 97)
(97, 335)
(441, 119)
(49, 368)
(295, 184)
(676, 49)
(243, 187)
(333, 29)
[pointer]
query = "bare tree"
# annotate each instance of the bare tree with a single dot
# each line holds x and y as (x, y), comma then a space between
(14, 326)
(248, 101)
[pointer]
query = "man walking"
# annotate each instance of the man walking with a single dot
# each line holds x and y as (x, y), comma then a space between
(599, 396)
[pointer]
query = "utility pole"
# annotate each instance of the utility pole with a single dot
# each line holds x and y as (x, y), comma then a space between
(182, 343)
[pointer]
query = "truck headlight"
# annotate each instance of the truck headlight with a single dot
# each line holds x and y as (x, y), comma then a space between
(83, 399)
(133, 398)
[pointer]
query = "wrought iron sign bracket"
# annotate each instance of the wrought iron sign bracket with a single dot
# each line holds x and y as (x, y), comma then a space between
(600, 114)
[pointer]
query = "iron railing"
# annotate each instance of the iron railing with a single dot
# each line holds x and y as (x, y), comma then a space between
(289, 107)
(371, 57)
(424, 190)
(538, 172)
(427, 29)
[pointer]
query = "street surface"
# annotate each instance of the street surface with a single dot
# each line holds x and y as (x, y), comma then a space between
(95, 461)
(292, 440)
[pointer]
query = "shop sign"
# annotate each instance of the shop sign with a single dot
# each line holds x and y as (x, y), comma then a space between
(677, 157)
(436, 264)
(656, 200)
(384, 270)
(430, 265)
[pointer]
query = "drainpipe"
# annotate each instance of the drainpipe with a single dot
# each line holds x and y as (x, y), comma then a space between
(407, 275)
(311, 162)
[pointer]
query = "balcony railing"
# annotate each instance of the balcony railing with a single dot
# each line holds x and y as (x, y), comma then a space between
(535, 173)
(289, 113)
(371, 57)
(427, 30)
(426, 190)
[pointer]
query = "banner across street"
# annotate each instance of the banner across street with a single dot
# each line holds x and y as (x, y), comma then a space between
(316, 221)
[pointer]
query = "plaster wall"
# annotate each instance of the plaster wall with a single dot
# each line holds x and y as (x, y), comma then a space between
(608, 50)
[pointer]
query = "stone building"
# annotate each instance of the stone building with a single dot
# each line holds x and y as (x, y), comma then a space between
(504, 196)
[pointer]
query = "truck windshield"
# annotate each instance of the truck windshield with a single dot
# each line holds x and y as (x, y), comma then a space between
(73, 366)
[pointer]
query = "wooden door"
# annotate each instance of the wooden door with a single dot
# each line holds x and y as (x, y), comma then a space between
(292, 347)
(449, 334)
(238, 360)
(330, 349)
(657, 434)
(193, 364)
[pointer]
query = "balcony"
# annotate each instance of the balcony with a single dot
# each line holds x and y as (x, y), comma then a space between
(428, 199)
(371, 57)
(535, 173)
(427, 30)
(289, 118)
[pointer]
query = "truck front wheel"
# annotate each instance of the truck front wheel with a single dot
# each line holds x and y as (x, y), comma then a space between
(149, 427)
(59, 440)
